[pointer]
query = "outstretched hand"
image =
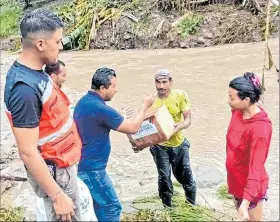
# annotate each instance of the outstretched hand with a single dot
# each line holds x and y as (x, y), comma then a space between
(127, 112)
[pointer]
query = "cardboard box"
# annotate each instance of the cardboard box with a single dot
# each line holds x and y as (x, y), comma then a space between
(157, 127)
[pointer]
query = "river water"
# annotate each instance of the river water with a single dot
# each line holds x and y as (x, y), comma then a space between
(204, 73)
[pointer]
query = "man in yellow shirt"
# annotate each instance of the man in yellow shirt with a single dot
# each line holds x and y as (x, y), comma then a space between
(173, 153)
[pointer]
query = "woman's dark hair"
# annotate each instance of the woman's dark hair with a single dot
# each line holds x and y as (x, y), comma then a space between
(248, 85)
(102, 77)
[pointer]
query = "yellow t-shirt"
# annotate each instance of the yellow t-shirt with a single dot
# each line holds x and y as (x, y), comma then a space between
(176, 103)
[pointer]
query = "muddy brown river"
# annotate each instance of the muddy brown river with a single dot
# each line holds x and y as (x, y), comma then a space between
(204, 73)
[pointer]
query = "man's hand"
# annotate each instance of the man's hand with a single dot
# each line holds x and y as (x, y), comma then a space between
(185, 124)
(132, 125)
(177, 127)
(149, 99)
(63, 206)
(127, 112)
(135, 149)
(243, 210)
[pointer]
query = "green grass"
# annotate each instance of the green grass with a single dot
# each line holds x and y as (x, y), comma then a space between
(274, 9)
(222, 192)
(189, 25)
(10, 17)
(186, 212)
(151, 199)
(177, 184)
(180, 211)
(147, 215)
(11, 214)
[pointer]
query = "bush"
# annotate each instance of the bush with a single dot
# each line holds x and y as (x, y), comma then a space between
(10, 17)
(222, 192)
(11, 214)
(189, 25)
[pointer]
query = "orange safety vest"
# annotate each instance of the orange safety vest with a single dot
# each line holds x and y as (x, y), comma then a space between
(59, 140)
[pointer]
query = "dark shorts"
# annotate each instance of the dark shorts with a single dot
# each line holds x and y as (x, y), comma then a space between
(252, 204)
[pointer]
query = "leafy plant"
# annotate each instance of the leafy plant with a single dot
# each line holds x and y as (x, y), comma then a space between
(275, 9)
(85, 17)
(222, 192)
(147, 215)
(9, 18)
(11, 214)
(189, 25)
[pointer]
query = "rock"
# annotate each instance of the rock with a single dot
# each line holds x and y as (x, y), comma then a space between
(26, 197)
(16, 169)
(184, 44)
(6, 185)
(127, 36)
(207, 177)
(12, 43)
(207, 34)
(200, 40)
(128, 207)
(207, 44)
(193, 45)
(145, 181)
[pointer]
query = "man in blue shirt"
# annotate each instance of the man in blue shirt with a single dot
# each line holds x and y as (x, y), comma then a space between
(94, 120)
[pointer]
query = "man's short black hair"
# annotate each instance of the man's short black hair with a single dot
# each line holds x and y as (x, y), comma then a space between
(39, 20)
(55, 68)
(102, 77)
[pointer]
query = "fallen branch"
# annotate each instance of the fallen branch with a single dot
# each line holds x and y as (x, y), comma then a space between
(255, 5)
(131, 17)
(92, 33)
(13, 178)
(157, 32)
(105, 19)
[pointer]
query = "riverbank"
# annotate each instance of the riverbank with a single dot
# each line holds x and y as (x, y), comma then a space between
(146, 24)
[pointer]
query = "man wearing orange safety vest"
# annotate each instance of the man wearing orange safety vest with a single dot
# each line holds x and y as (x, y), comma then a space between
(57, 72)
(38, 110)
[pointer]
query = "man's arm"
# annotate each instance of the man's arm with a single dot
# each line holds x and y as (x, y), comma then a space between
(27, 139)
(113, 120)
(186, 110)
(131, 126)
(186, 123)
(25, 109)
